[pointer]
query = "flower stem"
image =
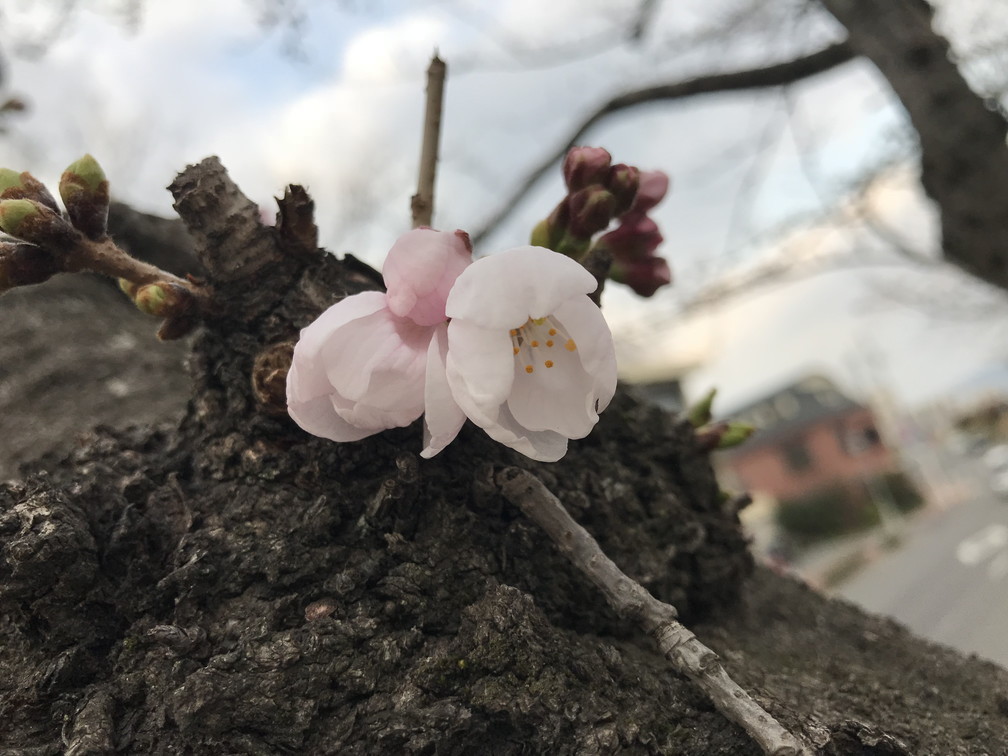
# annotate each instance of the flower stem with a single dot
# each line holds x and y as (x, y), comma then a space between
(630, 599)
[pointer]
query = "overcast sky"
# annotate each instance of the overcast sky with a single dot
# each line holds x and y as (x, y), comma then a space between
(340, 112)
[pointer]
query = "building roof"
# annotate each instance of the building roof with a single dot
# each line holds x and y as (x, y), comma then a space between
(793, 408)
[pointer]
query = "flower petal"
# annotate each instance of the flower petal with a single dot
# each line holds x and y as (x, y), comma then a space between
(554, 398)
(420, 270)
(504, 290)
(585, 324)
(480, 368)
(544, 446)
(358, 369)
(381, 343)
(443, 418)
(310, 380)
(319, 417)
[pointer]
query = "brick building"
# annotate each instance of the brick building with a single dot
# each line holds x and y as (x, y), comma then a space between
(810, 436)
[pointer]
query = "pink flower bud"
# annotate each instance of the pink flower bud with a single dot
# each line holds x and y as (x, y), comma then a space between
(622, 182)
(584, 166)
(653, 187)
(636, 237)
(591, 210)
(645, 276)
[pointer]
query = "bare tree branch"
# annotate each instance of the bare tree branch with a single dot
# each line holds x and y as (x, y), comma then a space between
(776, 75)
(964, 159)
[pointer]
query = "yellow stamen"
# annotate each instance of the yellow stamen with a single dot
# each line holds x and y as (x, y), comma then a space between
(552, 331)
(528, 368)
(535, 343)
(549, 363)
(570, 346)
(549, 343)
(516, 350)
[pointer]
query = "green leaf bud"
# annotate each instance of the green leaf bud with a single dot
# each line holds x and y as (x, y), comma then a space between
(736, 434)
(700, 413)
(14, 185)
(85, 192)
(15, 214)
(162, 299)
(34, 222)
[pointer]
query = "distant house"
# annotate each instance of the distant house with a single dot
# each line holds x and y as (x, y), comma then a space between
(810, 436)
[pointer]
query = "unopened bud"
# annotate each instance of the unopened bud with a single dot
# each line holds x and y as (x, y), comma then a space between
(558, 221)
(550, 231)
(127, 287)
(584, 166)
(540, 234)
(722, 435)
(737, 433)
(34, 222)
(14, 185)
(572, 246)
(85, 192)
(654, 185)
(700, 413)
(591, 210)
(24, 264)
(623, 181)
(8, 179)
(162, 299)
(645, 275)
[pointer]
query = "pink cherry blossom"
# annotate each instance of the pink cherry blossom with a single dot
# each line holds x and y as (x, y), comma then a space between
(376, 360)
(530, 358)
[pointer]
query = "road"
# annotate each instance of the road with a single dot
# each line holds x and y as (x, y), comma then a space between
(948, 580)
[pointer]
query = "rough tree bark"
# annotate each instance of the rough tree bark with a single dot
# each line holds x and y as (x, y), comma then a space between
(227, 584)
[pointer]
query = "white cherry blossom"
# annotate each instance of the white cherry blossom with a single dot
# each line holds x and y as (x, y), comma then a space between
(530, 358)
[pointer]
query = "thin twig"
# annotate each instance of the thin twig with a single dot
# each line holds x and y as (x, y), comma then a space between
(422, 203)
(106, 257)
(775, 75)
(630, 599)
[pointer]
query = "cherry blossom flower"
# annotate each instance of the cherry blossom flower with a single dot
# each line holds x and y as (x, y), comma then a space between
(530, 358)
(376, 360)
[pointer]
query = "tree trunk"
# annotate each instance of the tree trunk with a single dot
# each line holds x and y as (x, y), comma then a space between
(228, 584)
(964, 158)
